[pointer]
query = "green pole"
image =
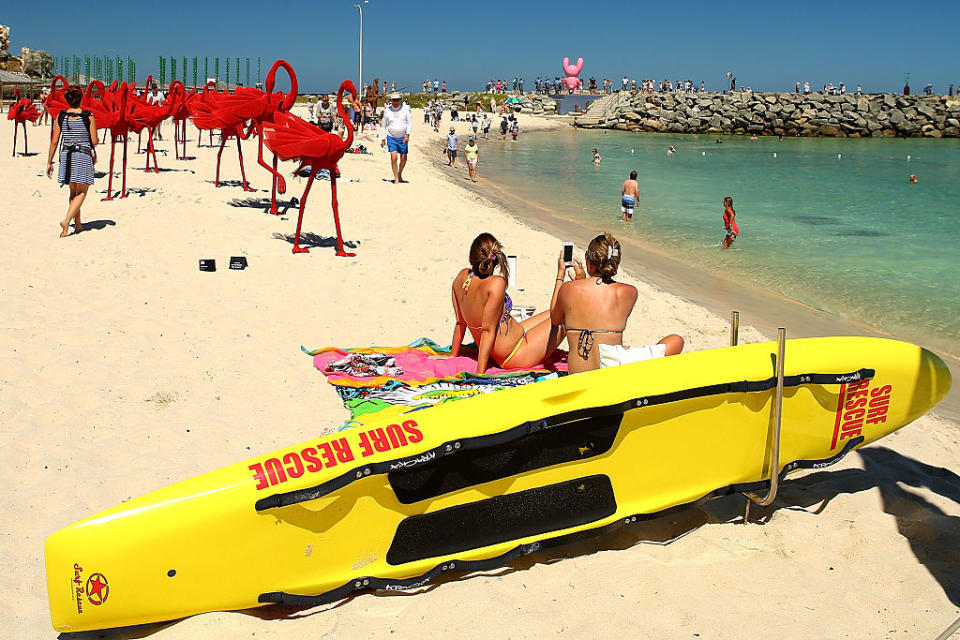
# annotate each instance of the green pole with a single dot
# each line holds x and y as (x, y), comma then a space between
(194, 71)
(173, 68)
(206, 68)
(238, 71)
(120, 77)
(131, 70)
(228, 73)
(216, 69)
(163, 70)
(86, 69)
(184, 72)
(248, 72)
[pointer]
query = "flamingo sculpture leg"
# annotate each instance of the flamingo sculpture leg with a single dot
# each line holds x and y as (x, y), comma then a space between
(176, 140)
(110, 173)
(151, 151)
(123, 187)
(303, 203)
(223, 141)
(243, 175)
(336, 215)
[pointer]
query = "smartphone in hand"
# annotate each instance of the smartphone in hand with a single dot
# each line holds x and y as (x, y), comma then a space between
(568, 253)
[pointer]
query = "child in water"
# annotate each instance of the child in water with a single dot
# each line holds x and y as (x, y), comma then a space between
(729, 222)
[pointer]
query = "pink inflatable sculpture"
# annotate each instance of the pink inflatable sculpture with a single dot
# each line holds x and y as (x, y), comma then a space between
(572, 71)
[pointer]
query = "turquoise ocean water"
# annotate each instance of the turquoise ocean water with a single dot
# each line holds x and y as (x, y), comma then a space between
(831, 222)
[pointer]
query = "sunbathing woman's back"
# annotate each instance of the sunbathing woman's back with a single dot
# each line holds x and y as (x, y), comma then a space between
(593, 311)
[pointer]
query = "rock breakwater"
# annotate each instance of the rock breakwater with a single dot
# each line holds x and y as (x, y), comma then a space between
(787, 114)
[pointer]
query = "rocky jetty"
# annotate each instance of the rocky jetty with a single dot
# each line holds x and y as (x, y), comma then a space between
(787, 114)
(530, 102)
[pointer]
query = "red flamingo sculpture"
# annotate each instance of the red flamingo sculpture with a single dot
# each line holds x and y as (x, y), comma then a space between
(55, 102)
(259, 107)
(208, 112)
(177, 99)
(210, 87)
(292, 138)
(118, 101)
(20, 111)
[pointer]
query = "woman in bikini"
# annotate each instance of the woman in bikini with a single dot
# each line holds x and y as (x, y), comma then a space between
(591, 313)
(481, 304)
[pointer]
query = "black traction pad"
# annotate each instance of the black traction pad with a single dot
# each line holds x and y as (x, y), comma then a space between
(578, 440)
(502, 518)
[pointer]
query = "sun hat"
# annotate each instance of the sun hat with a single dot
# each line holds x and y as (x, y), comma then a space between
(453, 128)
(395, 96)
(472, 139)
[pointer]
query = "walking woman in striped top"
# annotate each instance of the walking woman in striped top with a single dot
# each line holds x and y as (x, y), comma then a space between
(78, 154)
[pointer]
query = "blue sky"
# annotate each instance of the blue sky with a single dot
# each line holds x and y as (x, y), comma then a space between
(767, 45)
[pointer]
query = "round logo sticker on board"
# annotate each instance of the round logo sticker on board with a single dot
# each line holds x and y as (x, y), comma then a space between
(97, 589)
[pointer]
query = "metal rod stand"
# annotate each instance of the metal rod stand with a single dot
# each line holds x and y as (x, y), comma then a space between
(777, 415)
(734, 328)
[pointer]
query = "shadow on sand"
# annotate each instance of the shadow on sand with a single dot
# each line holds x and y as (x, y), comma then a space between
(231, 183)
(97, 225)
(264, 204)
(313, 240)
(933, 535)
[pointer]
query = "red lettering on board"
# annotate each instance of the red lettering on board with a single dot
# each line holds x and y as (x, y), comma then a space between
(275, 472)
(365, 448)
(379, 439)
(410, 427)
(313, 462)
(858, 404)
(397, 437)
(326, 453)
(342, 448)
(259, 476)
(294, 465)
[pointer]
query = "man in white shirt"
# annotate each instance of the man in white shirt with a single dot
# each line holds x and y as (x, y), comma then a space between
(156, 97)
(396, 125)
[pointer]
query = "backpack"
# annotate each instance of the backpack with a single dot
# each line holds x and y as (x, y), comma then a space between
(84, 115)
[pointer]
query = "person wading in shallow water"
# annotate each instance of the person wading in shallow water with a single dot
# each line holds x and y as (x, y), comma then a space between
(729, 222)
(629, 195)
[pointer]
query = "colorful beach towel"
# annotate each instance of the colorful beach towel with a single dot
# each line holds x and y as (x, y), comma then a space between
(389, 381)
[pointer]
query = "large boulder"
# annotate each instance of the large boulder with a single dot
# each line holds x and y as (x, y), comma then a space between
(896, 116)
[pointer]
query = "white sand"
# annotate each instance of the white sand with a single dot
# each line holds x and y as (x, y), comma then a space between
(124, 369)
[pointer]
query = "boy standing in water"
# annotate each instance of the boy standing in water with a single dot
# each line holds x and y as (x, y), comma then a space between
(629, 195)
(729, 222)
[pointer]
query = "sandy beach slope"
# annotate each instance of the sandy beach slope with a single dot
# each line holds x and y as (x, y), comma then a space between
(124, 368)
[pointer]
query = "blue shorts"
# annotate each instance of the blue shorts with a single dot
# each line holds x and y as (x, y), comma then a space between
(627, 203)
(396, 144)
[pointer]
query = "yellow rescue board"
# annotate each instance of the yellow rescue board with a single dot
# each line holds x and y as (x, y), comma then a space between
(465, 484)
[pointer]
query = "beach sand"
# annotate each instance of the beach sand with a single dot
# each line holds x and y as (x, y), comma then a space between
(125, 369)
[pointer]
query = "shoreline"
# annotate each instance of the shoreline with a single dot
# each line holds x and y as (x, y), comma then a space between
(760, 308)
(126, 369)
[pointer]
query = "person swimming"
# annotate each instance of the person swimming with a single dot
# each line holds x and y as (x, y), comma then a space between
(597, 159)
(913, 179)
